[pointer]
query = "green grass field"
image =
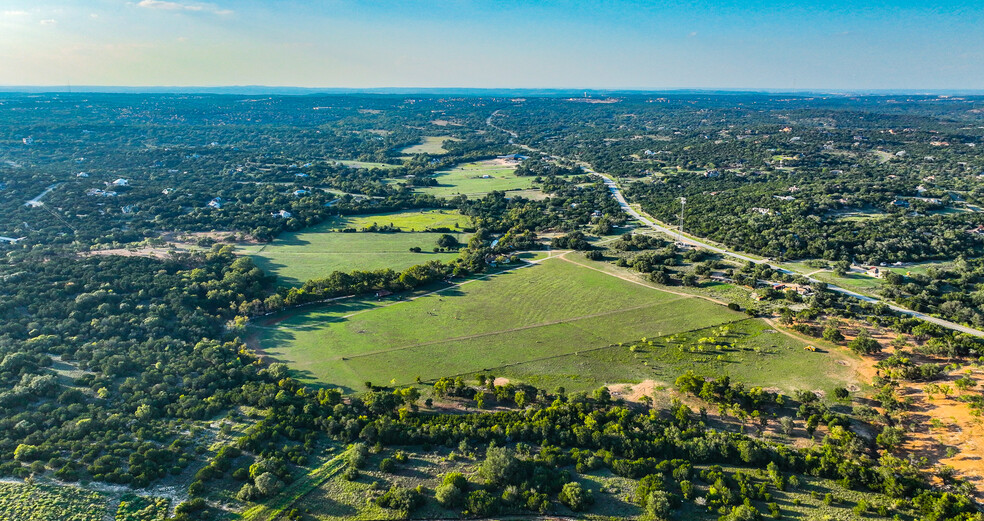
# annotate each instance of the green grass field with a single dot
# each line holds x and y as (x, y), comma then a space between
(51, 503)
(433, 145)
(365, 164)
(316, 252)
(853, 281)
(468, 179)
(755, 354)
(548, 310)
(416, 220)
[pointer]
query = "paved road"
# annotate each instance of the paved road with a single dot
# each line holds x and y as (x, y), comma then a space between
(660, 227)
(37, 200)
(617, 193)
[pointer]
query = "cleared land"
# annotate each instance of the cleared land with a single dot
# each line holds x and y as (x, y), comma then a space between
(368, 165)
(477, 179)
(317, 251)
(418, 220)
(433, 145)
(751, 352)
(552, 309)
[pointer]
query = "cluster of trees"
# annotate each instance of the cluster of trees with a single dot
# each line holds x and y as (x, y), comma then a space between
(151, 343)
(954, 291)
(147, 337)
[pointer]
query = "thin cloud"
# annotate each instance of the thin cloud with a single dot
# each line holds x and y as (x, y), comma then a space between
(15, 13)
(49, 21)
(165, 5)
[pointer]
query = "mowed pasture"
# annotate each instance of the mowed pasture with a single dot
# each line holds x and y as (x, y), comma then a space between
(477, 179)
(409, 221)
(551, 309)
(750, 351)
(433, 145)
(317, 251)
(368, 165)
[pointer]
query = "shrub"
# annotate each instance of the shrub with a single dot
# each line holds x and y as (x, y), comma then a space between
(247, 493)
(268, 484)
(455, 479)
(351, 473)
(501, 467)
(399, 498)
(482, 503)
(449, 496)
(575, 496)
(357, 455)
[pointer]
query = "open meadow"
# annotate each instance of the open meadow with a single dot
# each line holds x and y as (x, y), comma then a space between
(317, 251)
(433, 145)
(407, 221)
(368, 165)
(551, 309)
(477, 179)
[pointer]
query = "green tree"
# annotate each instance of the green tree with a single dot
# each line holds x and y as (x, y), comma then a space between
(863, 343)
(575, 496)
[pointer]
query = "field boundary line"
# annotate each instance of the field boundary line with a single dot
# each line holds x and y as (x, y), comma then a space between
(510, 330)
(590, 350)
(527, 264)
(297, 490)
(691, 295)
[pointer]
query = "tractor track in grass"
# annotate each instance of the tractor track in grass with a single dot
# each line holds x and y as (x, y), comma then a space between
(505, 331)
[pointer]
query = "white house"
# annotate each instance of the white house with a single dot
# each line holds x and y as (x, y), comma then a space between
(298, 193)
(121, 182)
(216, 203)
(283, 214)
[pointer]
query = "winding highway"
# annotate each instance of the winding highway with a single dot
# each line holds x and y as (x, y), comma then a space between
(662, 228)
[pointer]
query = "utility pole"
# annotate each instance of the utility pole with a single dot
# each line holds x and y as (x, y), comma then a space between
(683, 205)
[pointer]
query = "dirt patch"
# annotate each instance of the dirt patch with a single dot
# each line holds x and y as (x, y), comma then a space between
(158, 253)
(500, 381)
(178, 242)
(634, 392)
(938, 423)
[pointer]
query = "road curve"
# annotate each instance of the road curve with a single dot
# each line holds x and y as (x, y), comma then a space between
(660, 227)
(617, 194)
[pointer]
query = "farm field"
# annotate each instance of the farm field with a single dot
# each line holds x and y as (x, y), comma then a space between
(51, 503)
(365, 164)
(416, 220)
(552, 309)
(433, 145)
(317, 251)
(859, 282)
(469, 179)
(751, 352)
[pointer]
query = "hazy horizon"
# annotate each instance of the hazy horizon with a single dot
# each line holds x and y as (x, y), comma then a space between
(839, 46)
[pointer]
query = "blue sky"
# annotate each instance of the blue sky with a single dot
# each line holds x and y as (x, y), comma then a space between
(658, 44)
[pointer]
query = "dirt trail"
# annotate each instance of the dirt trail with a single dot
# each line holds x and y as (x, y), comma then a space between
(634, 281)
